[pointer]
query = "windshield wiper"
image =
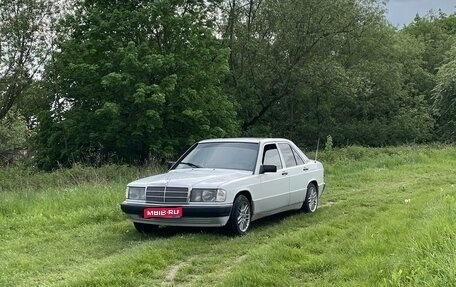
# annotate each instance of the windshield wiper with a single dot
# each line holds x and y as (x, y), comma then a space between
(191, 164)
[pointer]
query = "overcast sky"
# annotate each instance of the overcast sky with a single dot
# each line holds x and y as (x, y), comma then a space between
(402, 12)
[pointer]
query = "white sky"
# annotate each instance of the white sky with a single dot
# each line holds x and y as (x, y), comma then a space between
(402, 12)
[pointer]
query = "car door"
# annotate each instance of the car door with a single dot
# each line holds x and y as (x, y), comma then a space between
(297, 173)
(273, 190)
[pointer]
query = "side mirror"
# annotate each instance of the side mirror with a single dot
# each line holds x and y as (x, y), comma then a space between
(170, 164)
(267, 168)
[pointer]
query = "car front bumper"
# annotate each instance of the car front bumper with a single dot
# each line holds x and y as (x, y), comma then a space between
(192, 215)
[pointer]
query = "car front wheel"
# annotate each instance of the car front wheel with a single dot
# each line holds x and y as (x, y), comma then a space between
(311, 202)
(240, 216)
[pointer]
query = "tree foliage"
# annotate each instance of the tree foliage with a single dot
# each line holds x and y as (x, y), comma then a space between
(437, 33)
(135, 79)
(445, 97)
(25, 44)
(132, 80)
(308, 69)
(272, 43)
(13, 136)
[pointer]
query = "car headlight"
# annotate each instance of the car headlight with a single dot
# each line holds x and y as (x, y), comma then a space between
(136, 193)
(207, 195)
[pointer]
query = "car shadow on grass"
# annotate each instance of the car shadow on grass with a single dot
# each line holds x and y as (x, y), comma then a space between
(273, 220)
(256, 226)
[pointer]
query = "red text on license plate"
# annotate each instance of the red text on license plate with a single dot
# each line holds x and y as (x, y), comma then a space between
(163, 212)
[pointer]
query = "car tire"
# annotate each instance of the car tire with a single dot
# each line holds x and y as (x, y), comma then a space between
(311, 202)
(145, 228)
(240, 216)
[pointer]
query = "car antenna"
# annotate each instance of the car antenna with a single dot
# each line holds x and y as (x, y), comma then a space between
(316, 152)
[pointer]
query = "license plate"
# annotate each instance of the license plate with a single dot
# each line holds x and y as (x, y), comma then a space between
(163, 212)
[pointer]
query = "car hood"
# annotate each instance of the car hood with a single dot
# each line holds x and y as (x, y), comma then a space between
(201, 178)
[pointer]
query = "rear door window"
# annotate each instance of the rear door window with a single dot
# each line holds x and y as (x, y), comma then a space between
(288, 155)
(298, 158)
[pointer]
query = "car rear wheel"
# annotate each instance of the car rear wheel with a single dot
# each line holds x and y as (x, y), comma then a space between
(240, 216)
(145, 228)
(311, 202)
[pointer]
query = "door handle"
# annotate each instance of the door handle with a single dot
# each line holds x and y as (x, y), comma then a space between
(284, 173)
(305, 169)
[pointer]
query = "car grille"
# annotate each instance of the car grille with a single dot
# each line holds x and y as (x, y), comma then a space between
(168, 194)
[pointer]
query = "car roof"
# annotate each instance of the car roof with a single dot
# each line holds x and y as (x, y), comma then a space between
(245, 140)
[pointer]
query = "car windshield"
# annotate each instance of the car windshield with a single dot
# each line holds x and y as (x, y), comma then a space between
(224, 155)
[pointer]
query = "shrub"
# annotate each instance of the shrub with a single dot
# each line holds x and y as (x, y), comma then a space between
(13, 137)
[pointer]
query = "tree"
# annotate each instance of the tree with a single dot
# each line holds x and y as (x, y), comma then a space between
(272, 42)
(134, 79)
(25, 44)
(437, 33)
(445, 98)
(319, 68)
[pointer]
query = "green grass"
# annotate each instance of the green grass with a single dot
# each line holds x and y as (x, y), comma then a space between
(387, 218)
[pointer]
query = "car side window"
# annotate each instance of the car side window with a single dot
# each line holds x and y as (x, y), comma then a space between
(271, 156)
(287, 154)
(298, 158)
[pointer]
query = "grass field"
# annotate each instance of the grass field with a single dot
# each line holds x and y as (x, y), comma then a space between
(387, 218)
